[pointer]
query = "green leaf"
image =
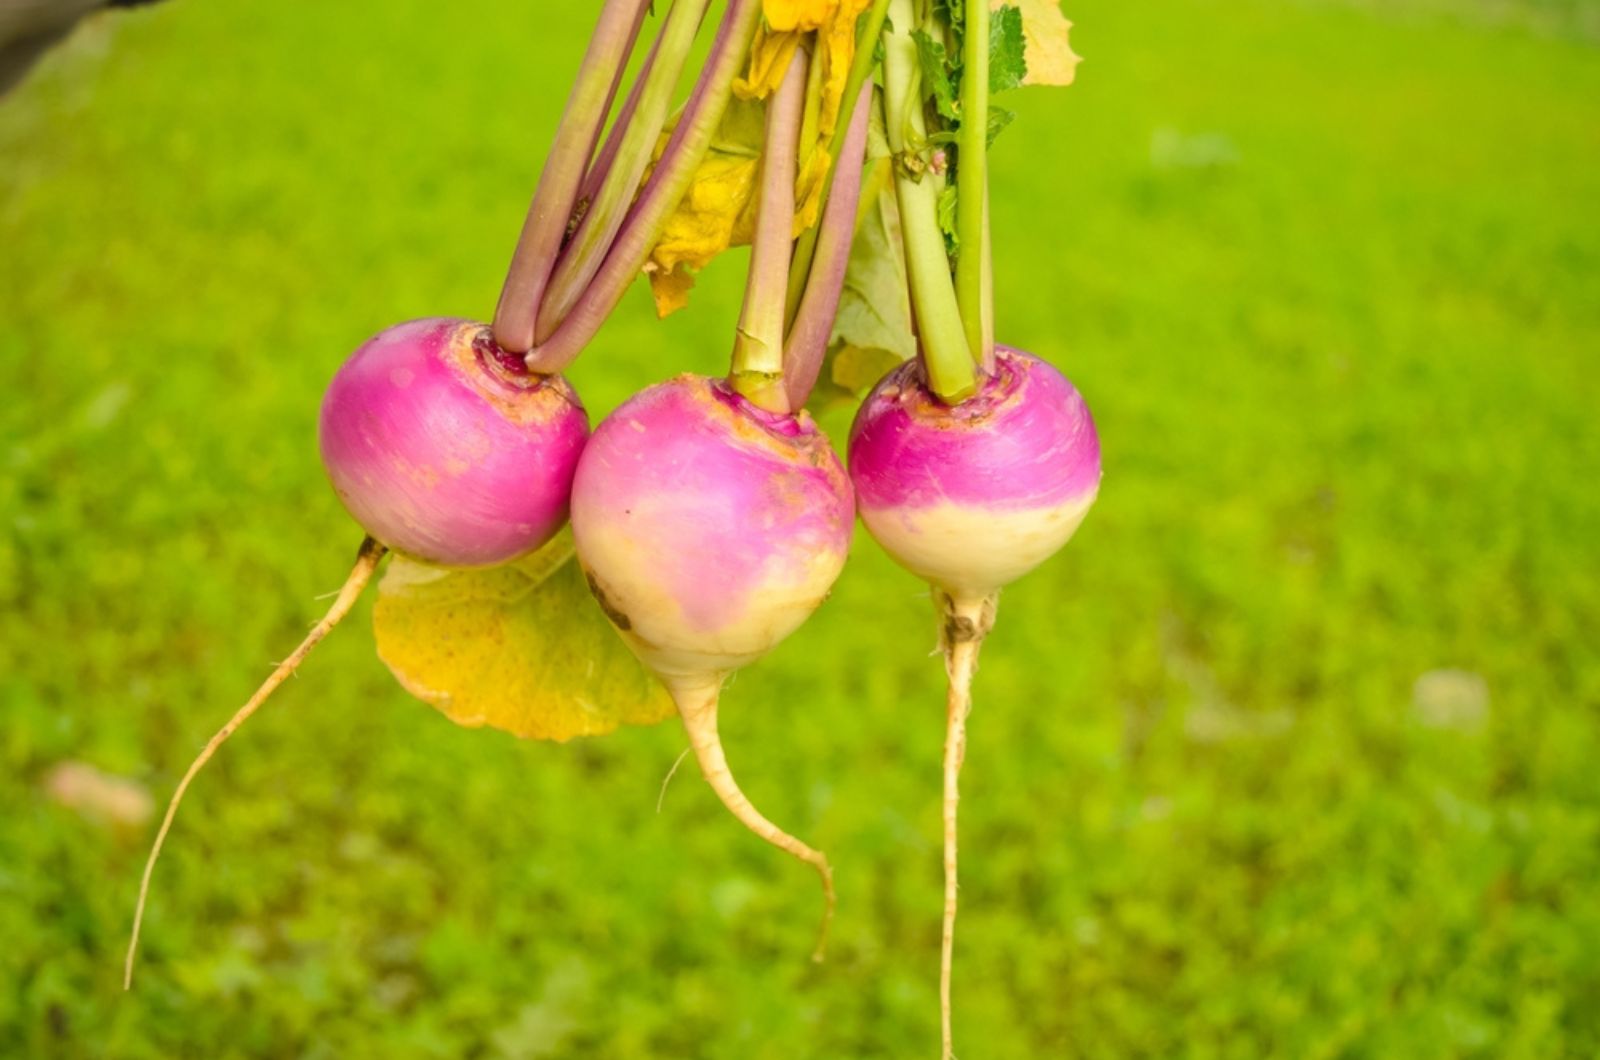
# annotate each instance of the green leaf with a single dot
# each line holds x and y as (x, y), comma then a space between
(952, 12)
(522, 648)
(1008, 63)
(999, 118)
(936, 71)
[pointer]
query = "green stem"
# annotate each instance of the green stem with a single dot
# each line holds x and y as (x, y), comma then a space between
(758, 346)
(952, 374)
(972, 178)
(582, 256)
(861, 66)
(988, 286)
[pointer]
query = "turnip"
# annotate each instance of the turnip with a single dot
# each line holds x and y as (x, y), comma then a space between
(975, 462)
(712, 519)
(710, 529)
(447, 448)
(972, 496)
(443, 447)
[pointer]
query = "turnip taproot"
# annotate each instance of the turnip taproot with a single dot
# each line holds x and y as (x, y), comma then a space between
(970, 497)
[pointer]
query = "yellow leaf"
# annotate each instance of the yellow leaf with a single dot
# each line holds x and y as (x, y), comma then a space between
(1046, 49)
(837, 50)
(719, 209)
(671, 290)
(521, 648)
(770, 54)
(798, 14)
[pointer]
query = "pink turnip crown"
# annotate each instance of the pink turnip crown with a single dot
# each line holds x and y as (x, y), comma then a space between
(971, 497)
(709, 528)
(447, 448)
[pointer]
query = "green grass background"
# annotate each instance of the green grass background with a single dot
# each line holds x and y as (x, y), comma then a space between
(1329, 276)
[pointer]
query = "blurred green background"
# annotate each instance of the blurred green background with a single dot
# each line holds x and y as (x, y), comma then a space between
(1295, 752)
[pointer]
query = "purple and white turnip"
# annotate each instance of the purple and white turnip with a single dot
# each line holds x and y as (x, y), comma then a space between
(446, 448)
(443, 447)
(710, 529)
(975, 462)
(972, 496)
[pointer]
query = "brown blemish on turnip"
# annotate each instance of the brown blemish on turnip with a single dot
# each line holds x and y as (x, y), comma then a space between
(618, 617)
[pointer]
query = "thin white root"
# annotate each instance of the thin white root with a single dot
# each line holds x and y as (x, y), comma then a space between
(697, 703)
(367, 560)
(662, 797)
(963, 623)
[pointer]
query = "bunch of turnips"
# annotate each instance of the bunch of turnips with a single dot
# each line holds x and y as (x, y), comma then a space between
(847, 143)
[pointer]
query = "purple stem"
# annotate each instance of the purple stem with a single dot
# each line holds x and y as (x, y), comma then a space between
(813, 323)
(662, 192)
(586, 249)
(553, 199)
(608, 154)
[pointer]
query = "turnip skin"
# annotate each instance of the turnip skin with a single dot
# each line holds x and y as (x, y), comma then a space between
(972, 497)
(710, 529)
(447, 449)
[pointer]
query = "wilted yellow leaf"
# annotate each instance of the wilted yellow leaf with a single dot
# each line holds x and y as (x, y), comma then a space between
(1049, 55)
(770, 55)
(671, 290)
(798, 14)
(719, 209)
(836, 45)
(522, 648)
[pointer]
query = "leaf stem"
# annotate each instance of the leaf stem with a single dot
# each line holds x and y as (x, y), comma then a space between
(952, 375)
(608, 154)
(988, 285)
(515, 317)
(866, 57)
(584, 253)
(758, 345)
(972, 179)
(662, 192)
(807, 344)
